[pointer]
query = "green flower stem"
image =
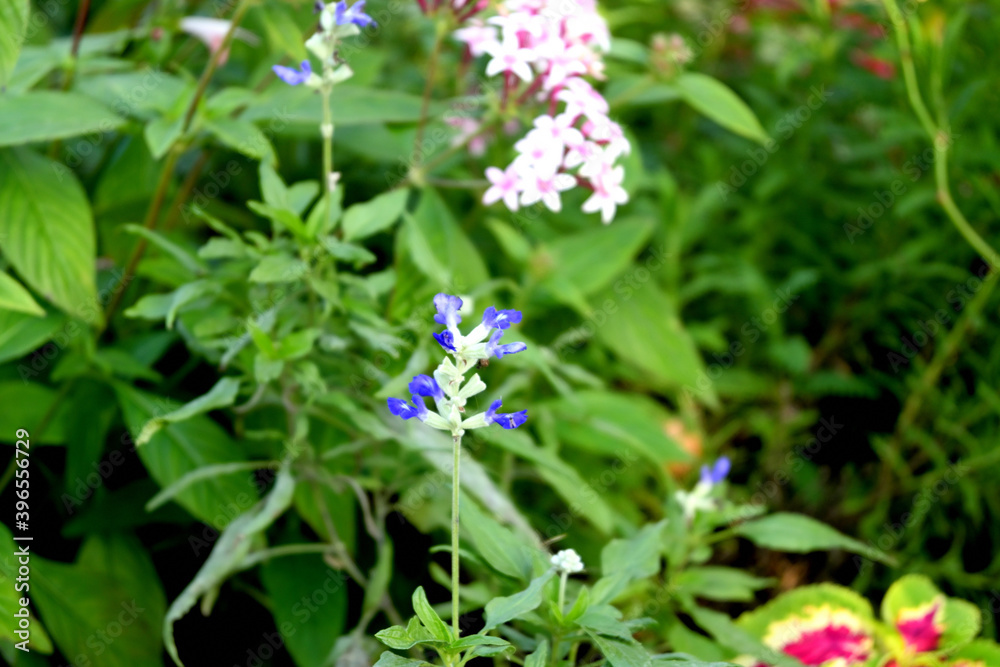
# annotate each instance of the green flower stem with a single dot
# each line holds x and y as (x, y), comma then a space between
(457, 453)
(327, 131)
(939, 136)
(562, 591)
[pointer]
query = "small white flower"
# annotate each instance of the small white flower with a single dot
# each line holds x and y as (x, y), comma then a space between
(567, 561)
(213, 31)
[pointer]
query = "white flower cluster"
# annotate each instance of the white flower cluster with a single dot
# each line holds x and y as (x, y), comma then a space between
(544, 49)
(567, 561)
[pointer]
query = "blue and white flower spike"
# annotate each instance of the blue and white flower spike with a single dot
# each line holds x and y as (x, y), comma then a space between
(700, 497)
(449, 387)
(294, 77)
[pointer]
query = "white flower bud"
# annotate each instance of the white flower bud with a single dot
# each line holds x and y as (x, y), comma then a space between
(567, 561)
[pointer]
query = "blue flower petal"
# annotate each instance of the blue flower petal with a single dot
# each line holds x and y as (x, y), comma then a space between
(292, 76)
(507, 421)
(500, 319)
(445, 339)
(447, 307)
(425, 385)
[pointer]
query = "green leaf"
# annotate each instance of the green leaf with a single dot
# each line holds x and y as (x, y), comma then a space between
(243, 137)
(390, 659)
(626, 560)
(47, 231)
(401, 638)
(44, 115)
(221, 395)
(439, 248)
(378, 580)
(605, 620)
(113, 583)
(363, 220)
(348, 252)
(34, 402)
(720, 583)
(616, 424)
(161, 134)
(21, 333)
(501, 610)
(716, 100)
(229, 555)
(177, 449)
(300, 110)
(498, 546)
(425, 612)
(621, 653)
(737, 637)
(797, 533)
(574, 267)
(642, 328)
(278, 269)
(540, 657)
(185, 258)
(581, 498)
(13, 23)
(314, 627)
(14, 297)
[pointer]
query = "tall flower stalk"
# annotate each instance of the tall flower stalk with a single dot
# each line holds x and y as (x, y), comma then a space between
(336, 21)
(451, 391)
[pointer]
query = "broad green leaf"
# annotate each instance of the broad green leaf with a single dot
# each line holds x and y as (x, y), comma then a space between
(390, 659)
(430, 619)
(401, 638)
(573, 267)
(496, 543)
(273, 188)
(243, 137)
(797, 533)
(716, 100)
(621, 653)
(36, 404)
(13, 22)
(605, 620)
(177, 449)
(642, 328)
(616, 424)
(47, 231)
(626, 560)
(540, 657)
(199, 475)
(714, 582)
(20, 334)
(315, 627)
(185, 258)
(161, 133)
(229, 555)
(363, 220)
(501, 610)
(439, 248)
(581, 498)
(88, 415)
(14, 297)
(44, 115)
(221, 395)
(296, 110)
(138, 94)
(737, 637)
(278, 269)
(113, 583)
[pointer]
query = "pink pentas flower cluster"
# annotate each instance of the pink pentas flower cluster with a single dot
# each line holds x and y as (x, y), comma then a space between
(545, 50)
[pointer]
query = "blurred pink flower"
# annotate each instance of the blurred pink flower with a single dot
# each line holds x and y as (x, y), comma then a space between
(211, 32)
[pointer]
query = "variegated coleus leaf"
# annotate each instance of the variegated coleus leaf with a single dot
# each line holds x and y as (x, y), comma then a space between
(978, 653)
(822, 624)
(922, 620)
